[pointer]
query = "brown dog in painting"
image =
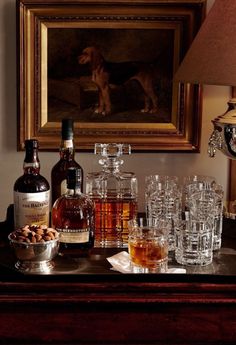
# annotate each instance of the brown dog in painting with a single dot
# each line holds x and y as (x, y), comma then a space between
(105, 73)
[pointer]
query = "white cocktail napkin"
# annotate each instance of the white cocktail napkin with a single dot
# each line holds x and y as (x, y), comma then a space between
(121, 262)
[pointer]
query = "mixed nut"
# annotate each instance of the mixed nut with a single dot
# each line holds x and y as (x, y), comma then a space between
(34, 234)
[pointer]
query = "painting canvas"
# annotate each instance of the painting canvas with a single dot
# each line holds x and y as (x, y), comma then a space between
(73, 93)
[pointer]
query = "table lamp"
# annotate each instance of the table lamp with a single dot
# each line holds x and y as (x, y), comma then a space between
(211, 60)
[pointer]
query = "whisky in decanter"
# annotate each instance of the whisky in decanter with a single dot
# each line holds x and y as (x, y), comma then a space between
(114, 194)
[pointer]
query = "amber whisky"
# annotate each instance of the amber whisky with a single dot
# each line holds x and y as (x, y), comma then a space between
(73, 217)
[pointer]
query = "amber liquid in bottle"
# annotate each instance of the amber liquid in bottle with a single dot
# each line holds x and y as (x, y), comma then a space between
(67, 160)
(73, 217)
(111, 221)
(31, 191)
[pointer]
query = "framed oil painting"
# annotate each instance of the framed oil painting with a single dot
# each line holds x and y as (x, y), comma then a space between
(108, 65)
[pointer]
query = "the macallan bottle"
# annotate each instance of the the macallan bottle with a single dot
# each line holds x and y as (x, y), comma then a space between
(73, 217)
(67, 160)
(31, 191)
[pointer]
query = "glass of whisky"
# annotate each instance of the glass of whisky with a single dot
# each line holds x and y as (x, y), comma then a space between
(148, 245)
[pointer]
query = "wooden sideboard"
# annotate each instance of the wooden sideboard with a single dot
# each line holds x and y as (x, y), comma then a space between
(91, 304)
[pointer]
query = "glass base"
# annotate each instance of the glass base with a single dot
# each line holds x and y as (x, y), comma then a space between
(35, 267)
(194, 259)
(162, 267)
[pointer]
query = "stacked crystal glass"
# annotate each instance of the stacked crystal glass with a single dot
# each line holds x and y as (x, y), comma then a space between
(194, 210)
(163, 199)
(199, 183)
(199, 233)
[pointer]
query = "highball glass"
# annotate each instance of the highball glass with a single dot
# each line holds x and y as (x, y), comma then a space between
(163, 198)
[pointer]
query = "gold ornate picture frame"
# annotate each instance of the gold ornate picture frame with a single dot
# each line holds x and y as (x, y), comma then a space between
(140, 43)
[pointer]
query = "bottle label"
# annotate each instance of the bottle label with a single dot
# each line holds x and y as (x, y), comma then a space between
(31, 208)
(73, 235)
(63, 187)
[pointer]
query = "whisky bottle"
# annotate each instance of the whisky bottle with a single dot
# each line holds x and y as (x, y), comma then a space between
(73, 217)
(67, 160)
(31, 191)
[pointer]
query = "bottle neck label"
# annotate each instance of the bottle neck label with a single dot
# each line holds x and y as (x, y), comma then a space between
(33, 165)
(31, 208)
(67, 144)
(63, 187)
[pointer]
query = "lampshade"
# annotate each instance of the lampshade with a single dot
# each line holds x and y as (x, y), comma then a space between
(211, 58)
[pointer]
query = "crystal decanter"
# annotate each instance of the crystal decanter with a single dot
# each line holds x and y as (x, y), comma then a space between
(115, 196)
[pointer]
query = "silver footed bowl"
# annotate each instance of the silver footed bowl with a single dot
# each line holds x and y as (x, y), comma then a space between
(34, 257)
